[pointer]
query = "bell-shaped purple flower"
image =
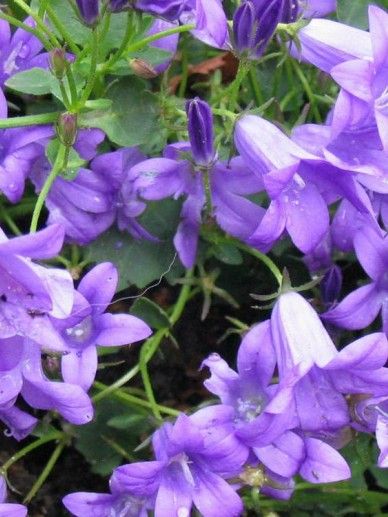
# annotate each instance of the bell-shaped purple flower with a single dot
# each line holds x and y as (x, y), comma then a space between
(89, 11)
(200, 126)
(253, 26)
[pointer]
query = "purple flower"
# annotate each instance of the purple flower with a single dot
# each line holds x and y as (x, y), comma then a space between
(88, 326)
(367, 79)
(19, 423)
(168, 43)
(159, 178)
(19, 52)
(200, 125)
(167, 9)
(9, 509)
(21, 372)
(192, 459)
(19, 149)
(211, 24)
(361, 307)
(326, 43)
(89, 11)
(89, 504)
(254, 25)
(300, 185)
(89, 204)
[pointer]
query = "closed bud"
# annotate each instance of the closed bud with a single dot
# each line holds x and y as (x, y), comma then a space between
(254, 23)
(200, 126)
(142, 69)
(290, 11)
(89, 11)
(331, 285)
(67, 128)
(58, 62)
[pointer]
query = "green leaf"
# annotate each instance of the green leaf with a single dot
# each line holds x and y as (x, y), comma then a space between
(355, 13)
(150, 312)
(132, 117)
(92, 440)
(35, 81)
(141, 261)
(228, 254)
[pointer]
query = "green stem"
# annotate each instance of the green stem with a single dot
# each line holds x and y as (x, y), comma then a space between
(8, 220)
(255, 253)
(132, 400)
(72, 86)
(147, 382)
(65, 98)
(62, 29)
(256, 87)
(32, 30)
(116, 56)
(57, 435)
(144, 42)
(57, 167)
(42, 8)
(307, 89)
(92, 74)
(29, 120)
(234, 87)
(154, 341)
(185, 72)
(46, 471)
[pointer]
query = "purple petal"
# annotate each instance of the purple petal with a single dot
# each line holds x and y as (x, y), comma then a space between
(357, 310)
(44, 244)
(98, 286)
(284, 456)
(367, 353)
(382, 440)
(140, 479)
(158, 178)
(323, 463)
(356, 77)
(80, 367)
(3, 104)
(121, 329)
(88, 504)
(223, 381)
(270, 228)
(20, 424)
(372, 251)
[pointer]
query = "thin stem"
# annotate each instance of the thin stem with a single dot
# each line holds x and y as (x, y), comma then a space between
(147, 382)
(42, 8)
(27, 9)
(62, 29)
(47, 470)
(144, 42)
(65, 98)
(116, 56)
(185, 72)
(255, 253)
(256, 87)
(154, 341)
(123, 396)
(57, 435)
(29, 120)
(234, 87)
(32, 30)
(72, 85)
(307, 89)
(57, 167)
(93, 67)
(9, 221)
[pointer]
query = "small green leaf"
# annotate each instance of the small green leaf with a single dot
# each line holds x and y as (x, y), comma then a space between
(132, 117)
(228, 254)
(35, 81)
(150, 312)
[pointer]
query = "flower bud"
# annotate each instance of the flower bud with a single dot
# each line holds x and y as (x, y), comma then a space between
(67, 128)
(58, 62)
(253, 26)
(142, 69)
(290, 11)
(331, 285)
(200, 126)
(89, 11)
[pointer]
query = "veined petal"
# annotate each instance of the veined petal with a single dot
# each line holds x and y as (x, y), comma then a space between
(378, 26)
(356, 77)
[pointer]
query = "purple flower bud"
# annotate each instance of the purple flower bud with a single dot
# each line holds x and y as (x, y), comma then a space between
(200, 125)
(67, 128)
(290, 11)
(331, 285)
(254, 25)
(116, 6)
(89, 11)
(58, 62)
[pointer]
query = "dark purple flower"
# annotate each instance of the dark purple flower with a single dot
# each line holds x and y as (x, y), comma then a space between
(254, 25)
(89, 11)
(88, 326)
(200, 126)
(119, 5)
(9, 509)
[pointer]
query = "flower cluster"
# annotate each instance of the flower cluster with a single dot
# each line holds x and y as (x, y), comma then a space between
(297, 396)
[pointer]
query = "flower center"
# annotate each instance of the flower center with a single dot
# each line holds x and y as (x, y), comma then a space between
(80, 332)
(249, 408)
